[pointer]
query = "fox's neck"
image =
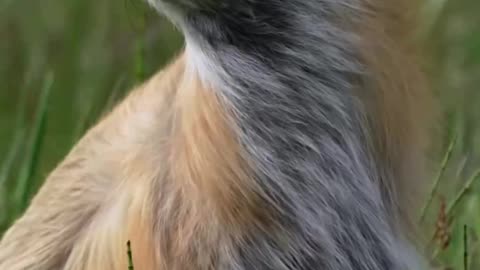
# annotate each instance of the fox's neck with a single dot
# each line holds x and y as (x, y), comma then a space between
(292, 76)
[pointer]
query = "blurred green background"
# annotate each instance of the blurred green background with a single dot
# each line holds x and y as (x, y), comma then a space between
(64, 63)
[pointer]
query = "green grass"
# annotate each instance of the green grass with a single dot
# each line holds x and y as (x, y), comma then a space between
(65, 63)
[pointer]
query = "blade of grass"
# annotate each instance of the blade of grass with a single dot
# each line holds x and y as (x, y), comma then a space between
(15, 148)
(18, 137)
(8, 163)
(5, 173)
(130, 257)
(436, 183)
(464, 191)
(465, 247)
(23, 188)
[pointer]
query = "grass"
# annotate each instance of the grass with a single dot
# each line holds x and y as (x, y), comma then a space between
(465, 248)
(436, 182)
(130, 256)
(23, 188)
(65, 63)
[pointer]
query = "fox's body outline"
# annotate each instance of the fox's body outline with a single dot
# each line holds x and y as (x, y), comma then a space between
(287, 135)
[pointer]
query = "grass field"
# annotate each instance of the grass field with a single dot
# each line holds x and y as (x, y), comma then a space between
(64, 63)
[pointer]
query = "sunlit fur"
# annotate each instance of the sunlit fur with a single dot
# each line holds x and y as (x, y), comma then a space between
(289, 135)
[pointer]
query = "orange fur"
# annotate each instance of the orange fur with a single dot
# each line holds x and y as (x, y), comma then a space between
(399, 105)
(208, 202)
(97, 198)
(150, 172)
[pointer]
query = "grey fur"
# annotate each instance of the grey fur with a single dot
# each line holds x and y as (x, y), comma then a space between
(289, 72)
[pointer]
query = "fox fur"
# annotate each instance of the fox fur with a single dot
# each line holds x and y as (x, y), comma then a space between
(288, 135)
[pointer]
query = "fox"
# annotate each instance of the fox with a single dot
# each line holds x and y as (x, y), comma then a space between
(285, 135)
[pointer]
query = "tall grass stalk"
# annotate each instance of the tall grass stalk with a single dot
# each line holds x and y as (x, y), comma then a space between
(27, 171)
(436, 182)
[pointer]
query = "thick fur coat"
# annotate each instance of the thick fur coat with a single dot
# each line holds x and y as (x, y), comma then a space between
(289, 135)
